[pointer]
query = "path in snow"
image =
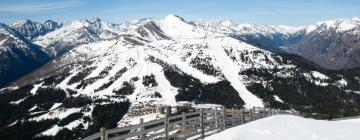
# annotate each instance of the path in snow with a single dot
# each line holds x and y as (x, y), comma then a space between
(230, 71)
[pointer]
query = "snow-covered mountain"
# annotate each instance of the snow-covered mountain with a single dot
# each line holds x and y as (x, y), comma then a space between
(339, 25)
(333, 44)
(31, 30)
(230, 27)
(75, 33)
(108, 69)
(267, 37)
(15, 53)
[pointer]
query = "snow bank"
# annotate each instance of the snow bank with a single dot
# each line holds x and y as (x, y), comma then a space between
(319, 75)
(288, 127)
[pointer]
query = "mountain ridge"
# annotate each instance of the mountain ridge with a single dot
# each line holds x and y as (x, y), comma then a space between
(163, 62)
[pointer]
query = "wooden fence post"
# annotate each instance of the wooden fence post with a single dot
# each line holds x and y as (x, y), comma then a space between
(252, 112)
(141, 129)
(183, 124)
(104, 135)
(166, 127)
(218, 121)
(224, 119)
(232, 118)
(269, 112)
(161, 109)
(263, 113)
(258, 114)
(202, 124)
(243, 116)
(168, 112)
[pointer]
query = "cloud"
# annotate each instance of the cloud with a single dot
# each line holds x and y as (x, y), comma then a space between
(24, 8)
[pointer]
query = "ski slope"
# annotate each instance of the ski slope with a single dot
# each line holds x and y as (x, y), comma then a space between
(288, 127)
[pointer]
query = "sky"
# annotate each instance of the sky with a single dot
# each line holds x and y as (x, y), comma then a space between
(269, 12)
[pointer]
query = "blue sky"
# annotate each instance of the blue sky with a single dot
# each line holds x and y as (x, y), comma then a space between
(288, 12)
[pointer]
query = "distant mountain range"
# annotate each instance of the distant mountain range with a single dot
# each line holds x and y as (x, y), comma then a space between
(87, 70)
(331, 44)
(18, 55)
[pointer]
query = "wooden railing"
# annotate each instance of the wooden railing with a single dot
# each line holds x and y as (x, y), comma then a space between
(238, 117)
(185, 125)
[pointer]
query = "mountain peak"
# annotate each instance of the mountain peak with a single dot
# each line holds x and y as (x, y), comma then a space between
(22, 22)
(96, 19)
(337, 24)
(176, 27)
(32, 29)
(356, 18)
(49, 21)
(5, 29)
(78, 23)
(286, 29)
(174, 18)
(227, 23)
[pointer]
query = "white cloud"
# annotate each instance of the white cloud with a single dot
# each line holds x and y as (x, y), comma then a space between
(23, 8)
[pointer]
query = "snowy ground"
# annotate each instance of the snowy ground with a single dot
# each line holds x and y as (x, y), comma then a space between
(288, 127)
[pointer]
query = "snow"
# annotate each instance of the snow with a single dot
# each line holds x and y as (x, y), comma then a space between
(229, 27)
(348, 24)
(13, 123)
(108, 45)
(63, 84)
(183, 66)
(319, 75)
(55, 129)
(33, 108)
(18, 101)
(126, 121)
(321, 83)
(177, 28)
(356, 120)
(186, 39)
(35, 88)
(230, 71)
(58, 113)
(210, 106)
(311, 28)
(167, 92)
(227, 23)
(340, 25)
(278, 99)
(288, 127)
(286, 29)
(344, 26)
(56, 105)
(342, 82)
(52, 131)
(316, 78)
(78, 32)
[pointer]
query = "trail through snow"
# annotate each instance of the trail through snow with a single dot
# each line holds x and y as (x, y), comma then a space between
(230, 71)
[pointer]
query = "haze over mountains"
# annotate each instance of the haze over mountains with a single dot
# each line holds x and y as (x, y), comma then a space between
(91, 67)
